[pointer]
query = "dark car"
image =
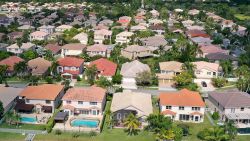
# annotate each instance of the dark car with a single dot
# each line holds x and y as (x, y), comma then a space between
(204, 84)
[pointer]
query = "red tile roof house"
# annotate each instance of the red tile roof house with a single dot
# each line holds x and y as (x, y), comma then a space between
(44, 98)
(10, 62)
(70, 67)
(105, 67)
(85, 101)
(183, 105)
(54, 48)
(124, 20)
(98, 49)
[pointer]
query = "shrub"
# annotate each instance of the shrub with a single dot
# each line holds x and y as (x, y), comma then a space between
(75, 135)
(92, 133)
(78, 78)
(219, 82)
(185, 129)
(117, 79)
(50, 125)
(58, 132)
(216, 115)
(49, 80)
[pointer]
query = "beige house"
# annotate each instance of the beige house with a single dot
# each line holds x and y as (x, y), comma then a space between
(136, 51)
(39, 35)
(62, 28)
(124, 37)
(168, 70)
(101, 35)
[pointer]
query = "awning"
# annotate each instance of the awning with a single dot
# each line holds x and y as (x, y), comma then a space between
(24, 107)
(61, 116)
(168, 112)
(47, 109)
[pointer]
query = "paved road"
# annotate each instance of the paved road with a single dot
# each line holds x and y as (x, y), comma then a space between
(7, 130)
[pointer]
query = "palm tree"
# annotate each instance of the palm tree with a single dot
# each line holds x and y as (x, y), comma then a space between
(231, 130)
(20, 68)
(165, 135)
(226, 67)
(132, 123)
(242, 71)
(90, 73)
(213, 134)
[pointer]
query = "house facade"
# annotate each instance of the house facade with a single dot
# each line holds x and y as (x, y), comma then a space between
(39, 35)
(74, 49)
(124, 37)
(101, 35)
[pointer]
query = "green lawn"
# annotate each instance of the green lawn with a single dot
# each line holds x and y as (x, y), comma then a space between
(11, 137)
(23, 126)
(242, 17)
(83, 82)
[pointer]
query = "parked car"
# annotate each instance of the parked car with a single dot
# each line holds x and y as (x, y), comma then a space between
(204, 84)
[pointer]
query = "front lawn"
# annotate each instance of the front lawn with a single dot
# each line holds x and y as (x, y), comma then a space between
(242, 17)
(11, 137)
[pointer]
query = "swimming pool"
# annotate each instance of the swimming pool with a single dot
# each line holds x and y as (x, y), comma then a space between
(84, 123)
(28, 119)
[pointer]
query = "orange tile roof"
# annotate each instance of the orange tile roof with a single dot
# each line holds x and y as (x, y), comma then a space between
(89, 94)
(105, 67)
(168, 112)
(70, 61)
(183, 97)
(42, 92)
(11, 61)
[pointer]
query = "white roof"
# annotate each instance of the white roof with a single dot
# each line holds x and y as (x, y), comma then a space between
(81, 36)
(24, 45)
(125, 33)
(128, 100)
(131, 69)
(24, 27)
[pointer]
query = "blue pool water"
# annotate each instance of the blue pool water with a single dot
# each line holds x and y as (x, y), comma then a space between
(84, 123)
(28, 119)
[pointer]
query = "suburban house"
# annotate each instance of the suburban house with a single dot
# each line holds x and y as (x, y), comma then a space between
(156, 42)
(205, 71)
(49, 29)
(129, 72)
(26, 27)
(206, 49)
(62, 28)
(124, 20)
(39, 66)
(231, 105)
(38, 35)
(15, 35)
(128, 102)
(101, 35)
(105, 67)
(159, 29)
(218, 57)
(44, 98)
(183, 105)
(85, 101)
(136, 51)
(10, 62)
(139, 27)
(54, 48)
(82, 38)
(8, 96)
(124, 37)
(73, 49)
(14, 48)
(70, 67)
(97, 49)
(168, 70)
(227, 24)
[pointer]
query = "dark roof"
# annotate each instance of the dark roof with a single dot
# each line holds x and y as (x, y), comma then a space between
(220, 56)
(157, 27)
(24, 107)
(61, 116)
(231, 99)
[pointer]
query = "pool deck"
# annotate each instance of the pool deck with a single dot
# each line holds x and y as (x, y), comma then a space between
(67, 126)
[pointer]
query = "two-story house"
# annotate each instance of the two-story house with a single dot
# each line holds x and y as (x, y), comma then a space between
(168, 70)
(14, 48)
(136, 51)
(124, 37)
(97, 49)
(43, 98)
(49, 29)
(70, 67)
(183, 105)
(233, 105)
(74, 49)
(101, 35)
(39, 35)
(62, 28)
(85, 101)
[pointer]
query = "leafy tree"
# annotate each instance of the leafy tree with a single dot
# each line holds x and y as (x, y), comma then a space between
(20, 68)
(185, 80)
(132, 124)
(49, 80)
(29, 55)
(91, 73)
(48, 55)
(25, 37)
(243, 83)
(103, 82)
(144, 78)
(231, 130)
(33, 80)
(3, 71)
(213, 134)
(1, 109)
(158, 122)
(145, 34)
(219, 82)
(227, 67)
(164, 135)
(117, 79)
(4, 54)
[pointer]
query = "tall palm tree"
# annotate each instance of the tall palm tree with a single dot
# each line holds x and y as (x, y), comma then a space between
(132, 123)
(242, 71)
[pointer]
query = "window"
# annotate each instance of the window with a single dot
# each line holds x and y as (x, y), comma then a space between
(119, 116)
(232, 110)
(214, 73)
(48, 101)
(208, 73)
(242, 108)
(196, 108)
(80, 102)
(68, 102)
(181, 108)
(93, 103)
(169, 107)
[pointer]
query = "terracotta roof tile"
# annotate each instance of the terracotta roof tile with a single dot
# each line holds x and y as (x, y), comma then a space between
(106, 67)
(168, 112)
(11, 61)
(70, 61)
